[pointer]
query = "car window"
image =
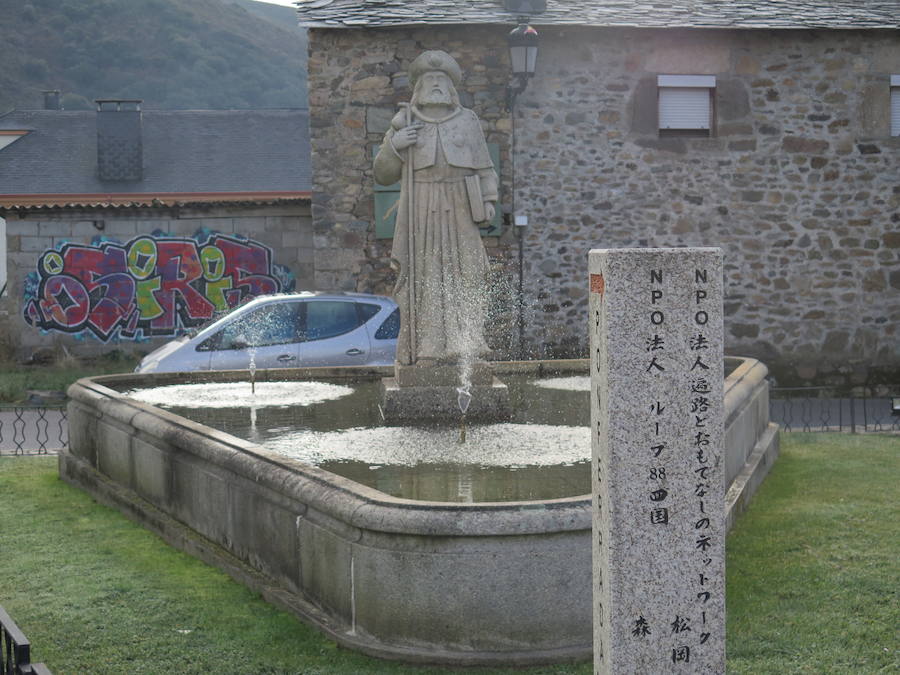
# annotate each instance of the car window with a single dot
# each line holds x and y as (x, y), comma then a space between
(390, 329)
(367, 310)
(328, 318)
(273, 324)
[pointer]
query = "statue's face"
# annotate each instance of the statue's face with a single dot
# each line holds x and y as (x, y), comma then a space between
(435, 88)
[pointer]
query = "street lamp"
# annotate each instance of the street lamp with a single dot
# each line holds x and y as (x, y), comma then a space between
(523, 48)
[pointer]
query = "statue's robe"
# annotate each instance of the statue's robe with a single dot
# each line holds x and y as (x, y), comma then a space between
(445, 282)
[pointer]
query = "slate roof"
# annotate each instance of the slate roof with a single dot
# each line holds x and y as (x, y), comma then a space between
(624, 13)
(189, 155)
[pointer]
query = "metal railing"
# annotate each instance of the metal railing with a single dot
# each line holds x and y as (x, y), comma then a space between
(15, 650)
(857, 409)
(33, 429)
(43, 429)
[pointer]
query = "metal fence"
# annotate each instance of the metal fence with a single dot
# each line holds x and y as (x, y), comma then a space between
(44, 429)
(859, 409)
(33, 429)
(15, 650)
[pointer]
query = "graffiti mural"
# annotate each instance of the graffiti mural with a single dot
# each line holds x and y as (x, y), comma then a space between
(152, 286)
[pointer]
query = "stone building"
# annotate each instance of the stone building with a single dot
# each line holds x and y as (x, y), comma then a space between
(789, 162)
(124, 228)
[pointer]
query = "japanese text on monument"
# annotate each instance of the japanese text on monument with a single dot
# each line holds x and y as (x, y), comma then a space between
(657, 411)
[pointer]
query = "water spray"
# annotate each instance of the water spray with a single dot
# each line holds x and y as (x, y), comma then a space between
(252, 371)
(463, 398)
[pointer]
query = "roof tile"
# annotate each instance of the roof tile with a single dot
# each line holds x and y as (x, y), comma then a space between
(634, 13)
(185, 151)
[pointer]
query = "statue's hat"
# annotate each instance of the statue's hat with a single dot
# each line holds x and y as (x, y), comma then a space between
(435, 60)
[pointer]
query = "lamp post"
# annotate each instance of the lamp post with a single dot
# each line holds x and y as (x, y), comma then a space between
(523, 47)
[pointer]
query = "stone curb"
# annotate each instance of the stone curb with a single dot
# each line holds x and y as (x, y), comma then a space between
(747, 482)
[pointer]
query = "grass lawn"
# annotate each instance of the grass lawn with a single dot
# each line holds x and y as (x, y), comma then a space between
(813, 571)
(813, 575)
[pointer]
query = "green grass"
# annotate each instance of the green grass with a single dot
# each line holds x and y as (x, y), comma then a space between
(97, 594)
(16, 379)
(813, 567)
(812, 580)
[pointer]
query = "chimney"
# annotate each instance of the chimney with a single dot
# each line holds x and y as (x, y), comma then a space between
(120, 148)
(51, 99)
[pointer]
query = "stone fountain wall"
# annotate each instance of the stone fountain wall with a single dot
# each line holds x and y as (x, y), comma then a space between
(798, 184)
(495, 583)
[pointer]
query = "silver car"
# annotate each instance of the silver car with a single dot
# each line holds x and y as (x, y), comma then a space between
(288, 331)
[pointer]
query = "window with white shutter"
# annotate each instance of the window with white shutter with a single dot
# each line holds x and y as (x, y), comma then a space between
(895, 105)
(686, 104)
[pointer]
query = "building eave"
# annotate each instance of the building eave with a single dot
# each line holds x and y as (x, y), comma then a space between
(535, 21)
(144, 200)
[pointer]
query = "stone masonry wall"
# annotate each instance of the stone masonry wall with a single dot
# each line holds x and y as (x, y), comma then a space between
(285, 229)
(799, 183)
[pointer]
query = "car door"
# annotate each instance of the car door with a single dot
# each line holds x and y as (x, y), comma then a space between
(384, 327)
(271, 334)
(335, 334)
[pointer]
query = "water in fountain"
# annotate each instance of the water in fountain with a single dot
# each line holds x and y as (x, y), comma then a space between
(235, 394)
(543, 452)
(570, 383)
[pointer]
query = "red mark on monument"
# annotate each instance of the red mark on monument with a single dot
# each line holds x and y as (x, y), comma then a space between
(598, 284)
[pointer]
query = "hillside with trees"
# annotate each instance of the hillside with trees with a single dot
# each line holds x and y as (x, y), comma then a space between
(173, 54)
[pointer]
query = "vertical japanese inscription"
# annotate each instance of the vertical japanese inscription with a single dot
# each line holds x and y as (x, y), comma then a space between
(658, 492)
(599, 418)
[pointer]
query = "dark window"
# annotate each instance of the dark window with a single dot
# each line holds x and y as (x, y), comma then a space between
(211, 343)
(367, 310)
(327, 318)
(390, 329)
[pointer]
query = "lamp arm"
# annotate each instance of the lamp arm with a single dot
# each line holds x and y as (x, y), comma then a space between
(514, 89)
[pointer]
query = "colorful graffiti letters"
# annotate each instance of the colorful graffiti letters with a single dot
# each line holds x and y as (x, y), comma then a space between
(152, 286)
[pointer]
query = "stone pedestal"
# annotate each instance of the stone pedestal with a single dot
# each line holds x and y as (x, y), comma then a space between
(481, 374)
(430, 393)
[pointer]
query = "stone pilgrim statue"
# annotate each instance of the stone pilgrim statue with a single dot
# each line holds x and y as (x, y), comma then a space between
(436, 148)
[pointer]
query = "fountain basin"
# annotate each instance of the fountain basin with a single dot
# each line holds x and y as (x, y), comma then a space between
(437, 582)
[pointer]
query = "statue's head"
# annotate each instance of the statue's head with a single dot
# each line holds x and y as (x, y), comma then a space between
(435, 76)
